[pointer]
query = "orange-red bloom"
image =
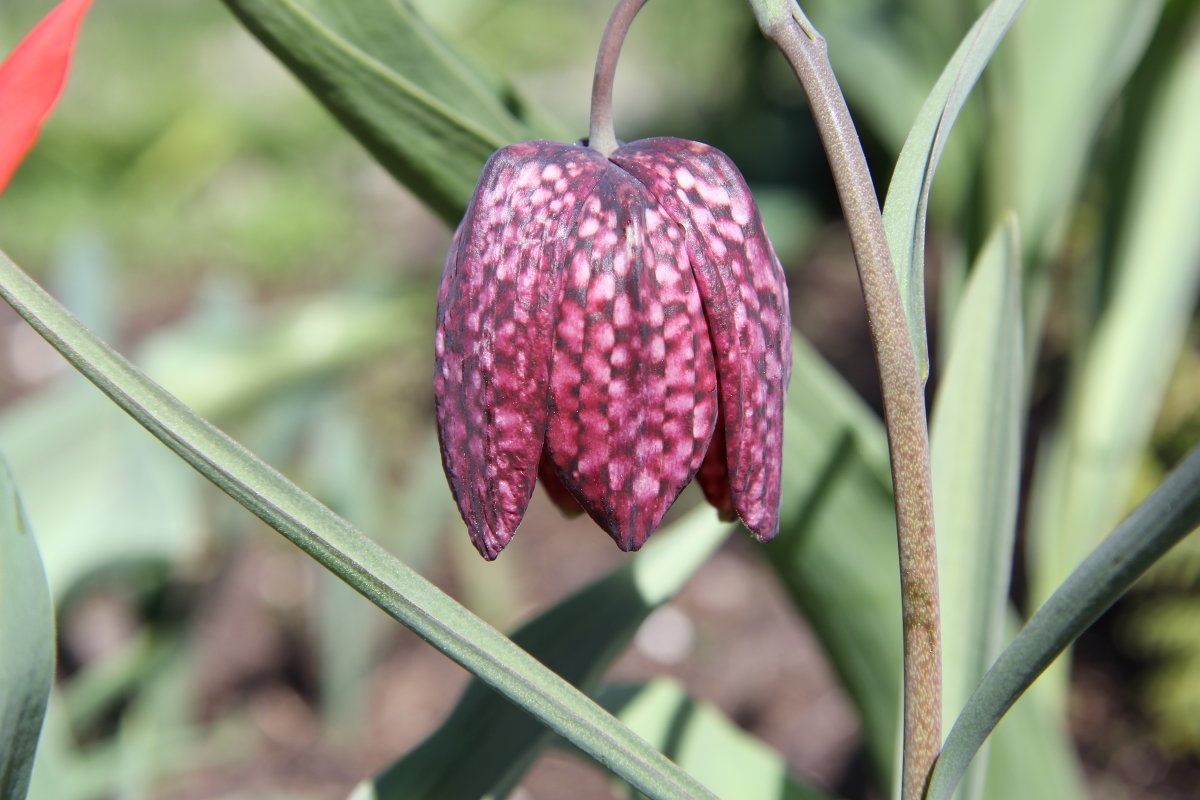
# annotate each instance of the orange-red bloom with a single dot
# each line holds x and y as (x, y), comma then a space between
(32, 78)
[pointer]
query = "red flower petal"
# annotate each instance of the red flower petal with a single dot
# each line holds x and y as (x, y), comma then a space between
(745, 301)
(32, 78)
(497, 309)
(633, 385)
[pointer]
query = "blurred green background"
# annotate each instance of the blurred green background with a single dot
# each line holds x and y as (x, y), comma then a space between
(190, 201)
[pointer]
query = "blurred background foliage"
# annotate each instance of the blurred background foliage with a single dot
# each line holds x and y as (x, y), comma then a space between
(190, 201)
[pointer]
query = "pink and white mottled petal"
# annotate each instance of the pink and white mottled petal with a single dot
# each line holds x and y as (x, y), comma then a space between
(497, 310)
(633, 385)
(745, 301)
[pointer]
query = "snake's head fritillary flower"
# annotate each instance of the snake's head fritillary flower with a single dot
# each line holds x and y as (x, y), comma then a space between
(617, 326)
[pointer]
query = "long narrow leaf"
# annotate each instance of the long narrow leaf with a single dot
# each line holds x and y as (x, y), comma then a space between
(704, 741)
(907, 203)
(976, 452)
(1068, 61)
(836, 551)
(31, 80)
(1168, 515)
(26, 643)
(347, 552)
(1031, 754)
(388, 80)
(578, 638)
(1117, 392)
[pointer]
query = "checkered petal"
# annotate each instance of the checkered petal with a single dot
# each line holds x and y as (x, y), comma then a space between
(745, 301)
(633, 384)
(497, 311)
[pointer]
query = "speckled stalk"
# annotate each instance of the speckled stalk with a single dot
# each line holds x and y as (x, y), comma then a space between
(903, 388)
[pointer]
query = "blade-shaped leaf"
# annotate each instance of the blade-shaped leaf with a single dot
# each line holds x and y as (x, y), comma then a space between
(906, 206)
(1115, 396)
(1031, 754)
(1169, 514)
(420, 110)
(347, 552)
(26, 643)
(702, 740)
(1069, 58)
(976, 453)
(578, 638)
(836, 552)
(31, 80)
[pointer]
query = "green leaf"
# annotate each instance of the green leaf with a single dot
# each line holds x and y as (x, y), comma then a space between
(1087, 473)
(907, 203)
(976, 458)
(1169, 514)
(347, 552)
(976, 451)
(1031, 754)
(702, 740)
(130, 498)
(1068, 60)
(417, 106)
(578, 638)
(26, 643)
(836, 551)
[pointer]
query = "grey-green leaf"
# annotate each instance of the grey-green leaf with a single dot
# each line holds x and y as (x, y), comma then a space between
(347, 552)
(905, 209)
(578, 638)
(1069, 59)
(416, 105)
(836, 551)
(976, 453)
(702, 740)
(1169, 514)
(26, 643)
(1116, 393)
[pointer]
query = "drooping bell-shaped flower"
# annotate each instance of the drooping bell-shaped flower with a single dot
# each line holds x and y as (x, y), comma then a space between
(618, 325)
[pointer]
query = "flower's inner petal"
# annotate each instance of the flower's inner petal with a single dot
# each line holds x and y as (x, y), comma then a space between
(713, 475)
(745, 302)
(560, 495)
(633, 385)
(497, 312)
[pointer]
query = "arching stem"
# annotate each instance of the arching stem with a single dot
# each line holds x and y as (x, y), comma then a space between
(784, 23)
(601, 136)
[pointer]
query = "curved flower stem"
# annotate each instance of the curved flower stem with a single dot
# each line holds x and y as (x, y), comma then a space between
(601, 136)
(784, 23)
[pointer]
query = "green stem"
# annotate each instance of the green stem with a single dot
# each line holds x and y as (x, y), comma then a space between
(602, 137)
(784, 23)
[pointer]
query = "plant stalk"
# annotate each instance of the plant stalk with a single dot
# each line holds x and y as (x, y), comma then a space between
(602, 136)
(784, 23)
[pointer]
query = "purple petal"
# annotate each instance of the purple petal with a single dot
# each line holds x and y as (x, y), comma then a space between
(713, 475)
(559, 495)
(497, 310)
(633, 385)
(745, 301)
